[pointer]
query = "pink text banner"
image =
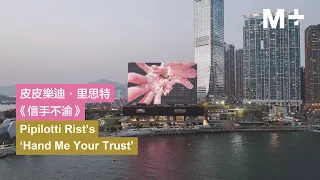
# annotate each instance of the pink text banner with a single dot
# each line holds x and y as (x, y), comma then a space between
(61, 92)
(59, 101)
(54, 111)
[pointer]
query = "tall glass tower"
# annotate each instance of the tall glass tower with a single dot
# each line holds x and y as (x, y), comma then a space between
(209, 48)
(271, 60)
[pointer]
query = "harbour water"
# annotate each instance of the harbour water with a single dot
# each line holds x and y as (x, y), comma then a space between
(222, 156)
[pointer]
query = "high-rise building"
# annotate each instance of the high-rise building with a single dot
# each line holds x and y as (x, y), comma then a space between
(229, 66)
(271, 62)
(209, 48)
(239, 73)
(312, 64)
(303, 86)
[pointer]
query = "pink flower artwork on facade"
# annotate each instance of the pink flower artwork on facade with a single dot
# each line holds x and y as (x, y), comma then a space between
(159, 80)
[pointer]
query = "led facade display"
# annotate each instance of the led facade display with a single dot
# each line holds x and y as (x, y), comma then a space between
(162, 83)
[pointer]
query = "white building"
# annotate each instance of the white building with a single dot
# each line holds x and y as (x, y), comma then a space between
(279, 111)
(209, 47)
(8, 125)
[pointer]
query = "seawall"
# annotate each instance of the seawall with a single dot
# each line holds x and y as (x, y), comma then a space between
(201, 131)
(7, 152)
(211, 130)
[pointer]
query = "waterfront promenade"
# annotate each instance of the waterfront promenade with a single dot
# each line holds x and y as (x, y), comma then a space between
(159, 132)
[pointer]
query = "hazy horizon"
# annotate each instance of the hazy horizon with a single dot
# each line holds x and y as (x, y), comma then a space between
(77, 41)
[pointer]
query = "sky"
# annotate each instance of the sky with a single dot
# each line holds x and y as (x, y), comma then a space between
(77, 41)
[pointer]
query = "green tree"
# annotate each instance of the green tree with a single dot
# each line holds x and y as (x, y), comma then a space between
(113, 129)
(11, 113)
(101, 128)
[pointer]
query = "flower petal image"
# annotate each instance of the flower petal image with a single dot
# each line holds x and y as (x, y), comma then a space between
(136, 91)
(137, 78)
(144, 67)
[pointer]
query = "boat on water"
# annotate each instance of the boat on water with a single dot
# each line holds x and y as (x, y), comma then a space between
(315, 130)
(7, 147)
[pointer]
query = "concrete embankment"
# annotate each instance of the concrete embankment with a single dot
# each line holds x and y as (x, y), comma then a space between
(204, 131)
(200, 131)
(7, 152)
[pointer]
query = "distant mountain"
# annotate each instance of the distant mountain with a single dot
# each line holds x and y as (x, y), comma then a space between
(6, 98)
(8, 90)
(11, 90)
(118, 86)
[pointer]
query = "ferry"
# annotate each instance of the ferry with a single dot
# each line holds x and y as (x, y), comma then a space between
(315, 130)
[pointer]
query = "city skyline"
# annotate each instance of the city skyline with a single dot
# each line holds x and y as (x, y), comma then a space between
(74, 39)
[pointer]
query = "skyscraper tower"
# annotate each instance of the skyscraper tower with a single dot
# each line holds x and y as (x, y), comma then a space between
(230, 82)
(312, 62)
(239, 74)
(209, 48)
(271, 59)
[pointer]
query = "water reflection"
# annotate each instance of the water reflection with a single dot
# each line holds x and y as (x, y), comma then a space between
(237, 144)
(225, 156)
(237, 140)
(158, 158)
(274, 141)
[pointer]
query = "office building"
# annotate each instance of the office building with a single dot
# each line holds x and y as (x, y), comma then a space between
(271, 60)
(312, 64)
(239, 73)
(229, 65)
(303, 85)
(209, 48)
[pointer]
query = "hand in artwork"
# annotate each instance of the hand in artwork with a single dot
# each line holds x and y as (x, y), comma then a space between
(159, 80)
(179, 73)
(150, 86)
